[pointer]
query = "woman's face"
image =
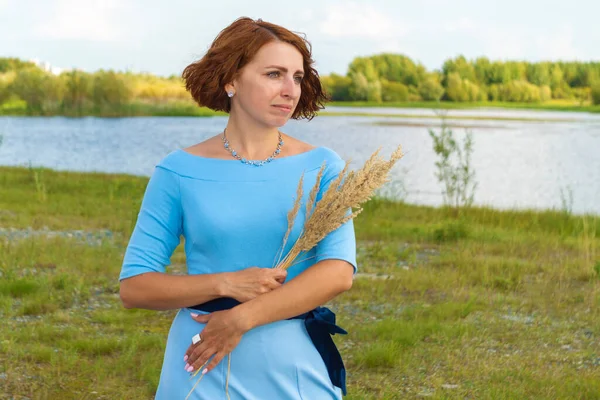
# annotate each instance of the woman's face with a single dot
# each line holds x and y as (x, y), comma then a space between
(267, 89)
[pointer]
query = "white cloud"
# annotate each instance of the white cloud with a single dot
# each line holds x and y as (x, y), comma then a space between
(76, 19)
(558, 45)
(463, 24)
(503, 43)
(306, 14)
(517, 42)
(354, 20)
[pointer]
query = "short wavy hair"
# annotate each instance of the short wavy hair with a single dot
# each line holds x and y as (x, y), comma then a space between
(232, 49)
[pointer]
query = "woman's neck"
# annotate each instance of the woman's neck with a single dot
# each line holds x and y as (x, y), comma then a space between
(251, 141)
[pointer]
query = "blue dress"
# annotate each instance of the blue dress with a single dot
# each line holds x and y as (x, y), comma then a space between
(234, 216)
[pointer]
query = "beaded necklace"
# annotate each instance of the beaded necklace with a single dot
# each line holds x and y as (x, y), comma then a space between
(252, 162)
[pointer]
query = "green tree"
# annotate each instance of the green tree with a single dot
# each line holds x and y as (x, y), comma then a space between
(495, 92)
(399, 68)
(431, 89)
(482, 68)
(454, 88)
(5, 93)
(545, 93)
(459, 89)
(393, 91)
(364, 66)
(337, 86)
(539, 73)
(78, 93)
(514, 71)
(110, 91)
(521, 91)
(571, 74)
(596, 93)
(460, 66)
(13, 64)
(359, 87)
(474, 92)
(556, 77)
(41, 91)
(495, 73)
(365, 84)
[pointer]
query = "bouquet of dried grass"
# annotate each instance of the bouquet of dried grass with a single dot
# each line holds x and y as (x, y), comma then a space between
(346, 192)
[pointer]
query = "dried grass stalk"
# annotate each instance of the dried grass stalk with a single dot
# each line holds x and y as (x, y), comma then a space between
(340, 203)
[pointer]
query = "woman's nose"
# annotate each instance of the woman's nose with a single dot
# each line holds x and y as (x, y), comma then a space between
(290, 89)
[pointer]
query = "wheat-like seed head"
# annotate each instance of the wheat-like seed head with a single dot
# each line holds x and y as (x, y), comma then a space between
(347, 191)
(291, 216)
(312, 197)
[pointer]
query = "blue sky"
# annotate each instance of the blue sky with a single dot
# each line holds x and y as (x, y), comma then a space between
(163, 36)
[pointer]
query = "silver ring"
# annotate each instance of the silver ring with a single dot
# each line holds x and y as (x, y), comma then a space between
(196, 338)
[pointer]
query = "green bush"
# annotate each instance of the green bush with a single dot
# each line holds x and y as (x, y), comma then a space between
(431, 89)
(545, 93)
(459, 89)
(393, 91)
(337, 86)
(596, 93)
(453, 167)
(521, 91)
(451, 231)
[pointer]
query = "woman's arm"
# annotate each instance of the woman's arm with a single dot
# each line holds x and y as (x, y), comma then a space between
(143, 281)
(159, 291)
(312, 288)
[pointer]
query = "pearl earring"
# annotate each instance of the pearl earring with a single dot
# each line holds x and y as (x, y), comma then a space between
(230, 93)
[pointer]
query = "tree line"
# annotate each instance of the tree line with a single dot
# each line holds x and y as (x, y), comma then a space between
(28, 89)
(395, 77)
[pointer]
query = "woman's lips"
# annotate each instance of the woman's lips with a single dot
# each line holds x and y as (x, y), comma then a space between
(284, 108)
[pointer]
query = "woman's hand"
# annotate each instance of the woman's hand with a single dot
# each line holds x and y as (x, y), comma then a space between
(222, 333)
(250, 283)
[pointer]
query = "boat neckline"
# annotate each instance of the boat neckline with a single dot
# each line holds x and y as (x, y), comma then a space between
(233, 160)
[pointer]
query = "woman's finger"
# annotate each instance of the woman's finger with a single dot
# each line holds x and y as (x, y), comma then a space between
(202, 318)
(189, 352)
(214, 362)
(202, 356)
(279, 274)
(190, 349)
(190, 357)
(274, 285)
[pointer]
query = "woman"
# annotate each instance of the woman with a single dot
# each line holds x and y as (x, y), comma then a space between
(229, 197)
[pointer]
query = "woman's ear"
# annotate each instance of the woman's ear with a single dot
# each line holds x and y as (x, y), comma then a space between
(230, 90)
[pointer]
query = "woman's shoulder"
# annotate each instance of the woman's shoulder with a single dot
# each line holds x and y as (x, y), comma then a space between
(322, 153)
(172, 162)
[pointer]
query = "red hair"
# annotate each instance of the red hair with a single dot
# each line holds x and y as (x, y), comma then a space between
(232, 49)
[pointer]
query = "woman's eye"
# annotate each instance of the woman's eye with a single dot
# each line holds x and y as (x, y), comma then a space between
(298, 79)
(273, 74)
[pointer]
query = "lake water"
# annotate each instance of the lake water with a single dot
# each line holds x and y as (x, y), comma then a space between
(518, 164)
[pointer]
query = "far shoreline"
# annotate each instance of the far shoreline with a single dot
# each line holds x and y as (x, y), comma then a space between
(188, 109)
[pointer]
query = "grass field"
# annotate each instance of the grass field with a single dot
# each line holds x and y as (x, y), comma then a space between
(491, 305)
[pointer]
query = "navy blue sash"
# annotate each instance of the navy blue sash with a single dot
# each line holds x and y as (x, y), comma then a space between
(320, 325)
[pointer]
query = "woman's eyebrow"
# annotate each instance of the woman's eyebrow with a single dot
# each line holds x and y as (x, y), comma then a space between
(284, 69)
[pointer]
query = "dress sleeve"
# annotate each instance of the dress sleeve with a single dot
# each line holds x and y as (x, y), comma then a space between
(158, 227)
(341, 243)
